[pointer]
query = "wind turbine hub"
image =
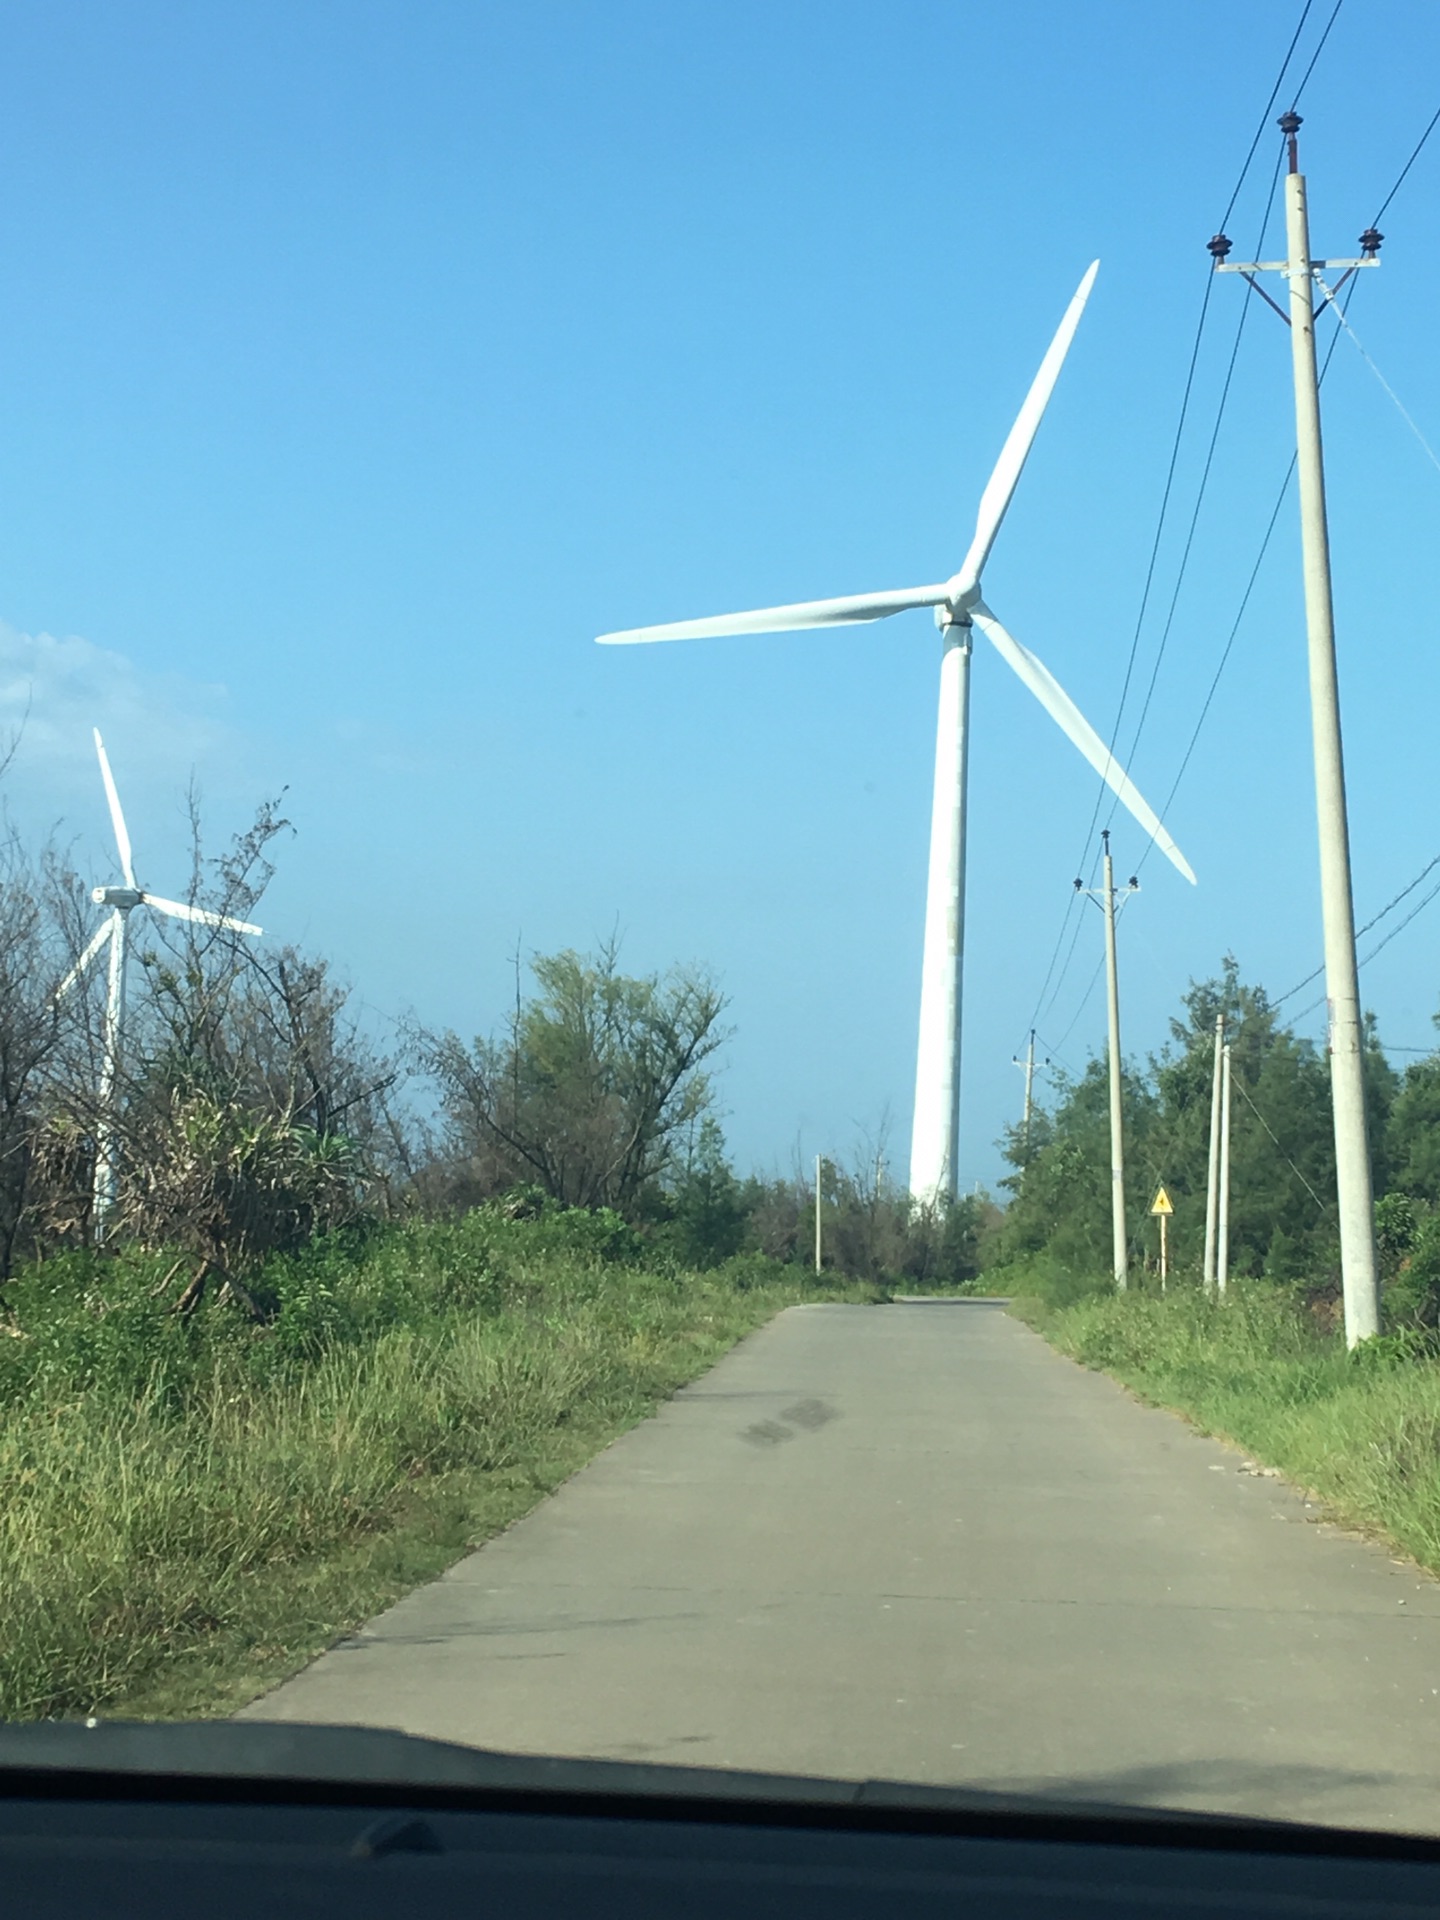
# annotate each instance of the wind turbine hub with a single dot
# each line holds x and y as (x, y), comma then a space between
(122, 897)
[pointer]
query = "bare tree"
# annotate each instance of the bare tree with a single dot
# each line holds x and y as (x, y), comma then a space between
(31, 961)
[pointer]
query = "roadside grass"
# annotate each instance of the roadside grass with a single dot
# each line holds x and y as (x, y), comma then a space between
(190, 1510)
(1361, 1430)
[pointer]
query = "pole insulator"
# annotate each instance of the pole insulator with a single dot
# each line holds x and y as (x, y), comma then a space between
(1370, 241)
(1290, 124)
(1219, 247)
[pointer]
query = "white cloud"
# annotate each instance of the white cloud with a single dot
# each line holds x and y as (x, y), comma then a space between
(160, 729)
(52, 692)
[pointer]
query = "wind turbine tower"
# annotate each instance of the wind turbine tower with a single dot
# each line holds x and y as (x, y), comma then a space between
(114, 932)
(959, 610)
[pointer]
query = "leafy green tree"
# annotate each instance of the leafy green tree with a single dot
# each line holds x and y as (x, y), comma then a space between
(594, 1088)
(1282, 1160)
(705, 1206)
(1061, 1202)
(1412, 1136)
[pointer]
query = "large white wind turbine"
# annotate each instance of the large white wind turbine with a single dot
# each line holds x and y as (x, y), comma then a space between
(958, 610)
(122, 902)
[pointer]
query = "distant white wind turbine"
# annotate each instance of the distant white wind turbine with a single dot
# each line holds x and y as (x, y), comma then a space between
(958, 610)
(122, 902)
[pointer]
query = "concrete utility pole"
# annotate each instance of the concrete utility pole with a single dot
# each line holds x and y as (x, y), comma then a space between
(1222, 1232)
(817, 1212)
(1027, 1065)
(1212, 1173)
(1117, 1088)
(1359, 1276)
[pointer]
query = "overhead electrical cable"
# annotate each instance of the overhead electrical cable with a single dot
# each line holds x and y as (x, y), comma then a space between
(1230, 370)
(1071, 904)
(1319, 49)
(1341, 307)
(1139, 625)
(1084, 999)
(1369, 927)
(1239, 1084)
(1265, 115)
(1204, 480)
(1419, 146)
(1041, 1002)
(1155, 545)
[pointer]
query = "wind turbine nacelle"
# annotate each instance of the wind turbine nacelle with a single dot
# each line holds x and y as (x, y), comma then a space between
(961, 596)
(123, 898)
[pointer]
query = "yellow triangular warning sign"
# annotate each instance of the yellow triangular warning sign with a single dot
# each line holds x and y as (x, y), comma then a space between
(1162, 1203)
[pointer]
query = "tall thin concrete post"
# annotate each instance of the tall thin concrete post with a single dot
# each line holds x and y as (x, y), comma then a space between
(1359, 1275)
(817, 1212)
(1222, 1231)
(1027, 1067)
(1117, 1092)
(1212, 1173)
(1358, 1267)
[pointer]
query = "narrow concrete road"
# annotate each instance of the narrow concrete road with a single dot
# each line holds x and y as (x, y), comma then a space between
(913, 1542)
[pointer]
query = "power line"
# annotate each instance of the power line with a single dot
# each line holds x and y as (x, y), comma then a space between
(1419, 144)
(1341, 307)
(1200, 491)
(1368, 927)
(1238, 1082)
(1074, 940)
(1084, 1000)
(1042, 1006)
(1040, 1003)
(1225, 652)
(1234, 353)
(1139, 626)
(1154, 548)
(1320, 48)
(1265, 116)
(1380, 947)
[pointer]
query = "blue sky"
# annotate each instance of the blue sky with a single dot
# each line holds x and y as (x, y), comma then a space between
(360, 362)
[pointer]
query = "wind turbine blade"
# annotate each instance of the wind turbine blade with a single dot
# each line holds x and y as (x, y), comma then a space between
(117, 818)
(90, 953)
(1068, 717)
(178, 910)
(851, 611)
(1001, 484)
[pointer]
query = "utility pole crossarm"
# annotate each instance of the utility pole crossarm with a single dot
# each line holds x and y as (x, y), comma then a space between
(1283, 266)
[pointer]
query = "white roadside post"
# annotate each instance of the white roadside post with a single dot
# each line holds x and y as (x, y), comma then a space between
(1358, 1268)
(1222, 1231)
(1212, 1172)
(1117, 1083)
(817, 1213)
(1027, 1067)
(1106, 897)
